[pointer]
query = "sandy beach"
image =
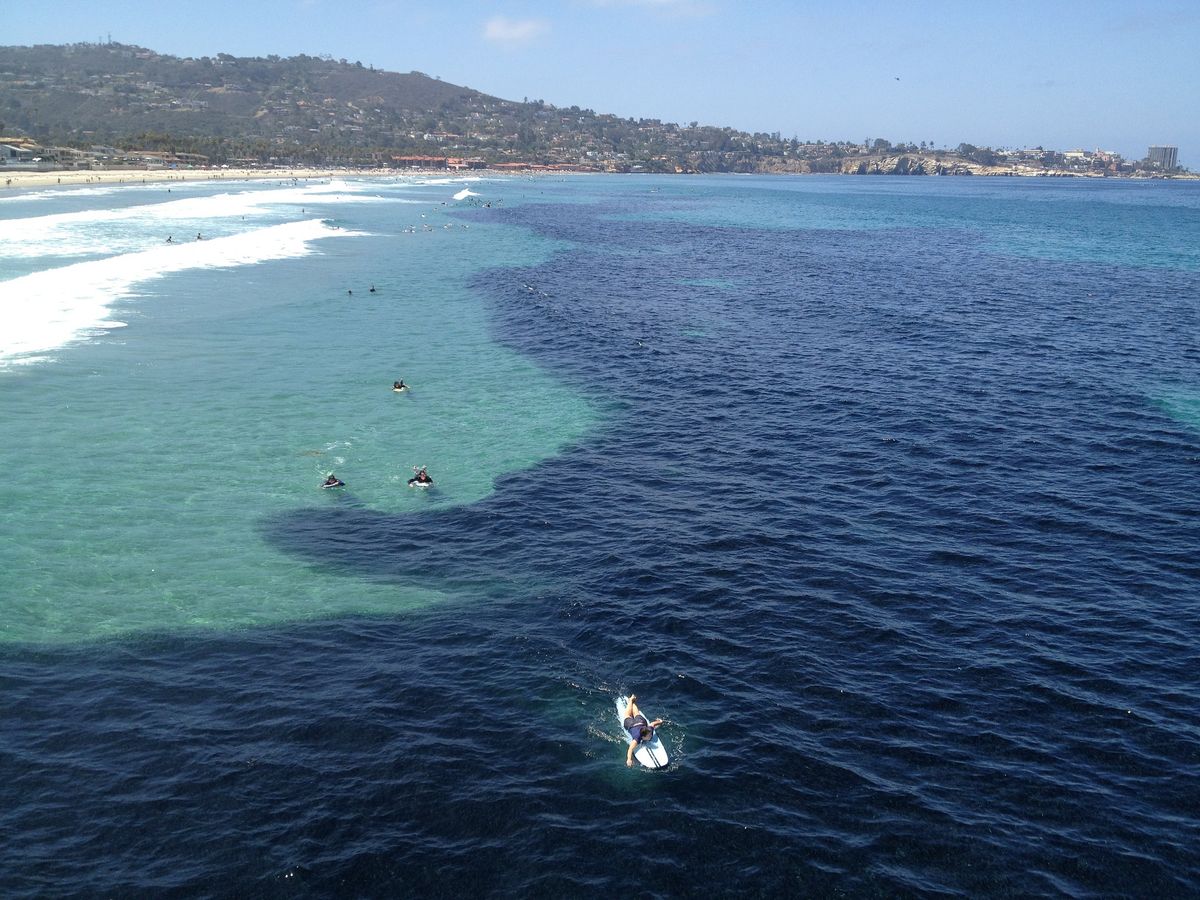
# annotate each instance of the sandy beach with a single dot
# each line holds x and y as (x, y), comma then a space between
(26, 179)
(18, 179)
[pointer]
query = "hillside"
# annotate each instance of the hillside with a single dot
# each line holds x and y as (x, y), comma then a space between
(305, 110)
(313, 110)
(116, 94)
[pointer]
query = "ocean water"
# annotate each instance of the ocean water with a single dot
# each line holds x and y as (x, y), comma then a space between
(882, 492)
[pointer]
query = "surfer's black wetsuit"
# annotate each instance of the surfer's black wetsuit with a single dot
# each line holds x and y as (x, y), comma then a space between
(634, 725)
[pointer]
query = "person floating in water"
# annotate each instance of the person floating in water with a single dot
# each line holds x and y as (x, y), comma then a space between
(399, 385)
(422, 477)
(333, 481)
(372, 289)
(639, 730)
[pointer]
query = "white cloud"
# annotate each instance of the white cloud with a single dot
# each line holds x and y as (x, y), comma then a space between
(514, 32)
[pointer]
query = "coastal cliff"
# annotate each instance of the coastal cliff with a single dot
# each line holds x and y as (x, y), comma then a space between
(953, 164)
(908, 164)
(898, 164)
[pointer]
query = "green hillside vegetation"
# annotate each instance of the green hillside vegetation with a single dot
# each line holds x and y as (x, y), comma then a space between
(320, 111)
(306, 110)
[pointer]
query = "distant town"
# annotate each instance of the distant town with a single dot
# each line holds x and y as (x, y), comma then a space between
(113, 106)
(18, 153)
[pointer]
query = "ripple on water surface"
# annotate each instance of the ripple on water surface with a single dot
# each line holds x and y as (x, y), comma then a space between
(150, 456)
(894, 527)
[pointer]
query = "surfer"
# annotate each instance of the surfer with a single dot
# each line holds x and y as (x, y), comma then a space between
(422, 478)
(333, 481)
(169, 241)
(639, 730)
(399, 385)
(372, 289)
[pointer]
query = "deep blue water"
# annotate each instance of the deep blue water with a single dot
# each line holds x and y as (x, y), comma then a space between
(896, 523)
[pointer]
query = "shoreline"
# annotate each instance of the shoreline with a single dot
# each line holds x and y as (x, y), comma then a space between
(25, 179)
(76, 177)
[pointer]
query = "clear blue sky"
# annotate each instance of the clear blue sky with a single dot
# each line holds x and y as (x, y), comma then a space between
(1076, 73)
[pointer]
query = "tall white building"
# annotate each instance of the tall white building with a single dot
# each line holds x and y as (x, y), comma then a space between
(1163, 157)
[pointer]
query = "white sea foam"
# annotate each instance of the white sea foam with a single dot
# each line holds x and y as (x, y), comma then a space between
(109, 231)
(465, 193)
(61, 193)
(47, 310)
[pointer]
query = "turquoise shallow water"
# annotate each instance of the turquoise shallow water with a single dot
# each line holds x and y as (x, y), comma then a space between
(142, 458)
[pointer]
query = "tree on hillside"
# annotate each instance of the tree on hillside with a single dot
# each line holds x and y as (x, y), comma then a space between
(985, 156)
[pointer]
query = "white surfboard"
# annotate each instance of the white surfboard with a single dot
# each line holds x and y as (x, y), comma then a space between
(652, 755)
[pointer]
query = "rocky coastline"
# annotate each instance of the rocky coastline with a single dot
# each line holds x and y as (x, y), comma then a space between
(945, 164)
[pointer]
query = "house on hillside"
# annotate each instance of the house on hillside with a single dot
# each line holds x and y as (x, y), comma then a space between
(15, 153)
(26, 155)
